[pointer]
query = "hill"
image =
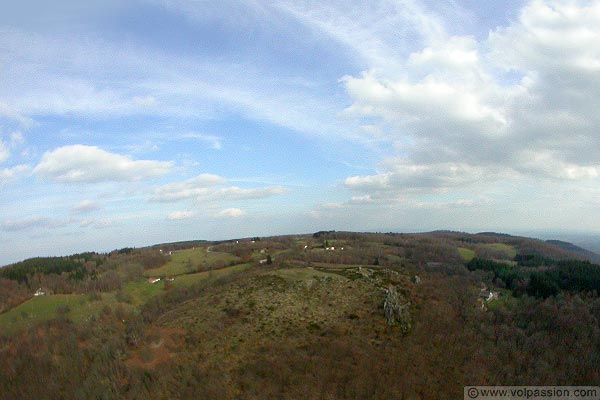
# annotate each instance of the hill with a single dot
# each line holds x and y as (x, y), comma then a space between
(338, 315)
(576, 250)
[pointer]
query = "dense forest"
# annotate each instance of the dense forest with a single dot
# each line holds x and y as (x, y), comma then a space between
(339, 315)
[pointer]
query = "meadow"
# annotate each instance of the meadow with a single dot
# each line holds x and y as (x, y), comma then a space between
(192, 260)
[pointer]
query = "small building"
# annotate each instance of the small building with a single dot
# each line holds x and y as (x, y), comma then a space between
(263, 261)
(153, 280)
(492, 296)
(485, 296)
(40, 292)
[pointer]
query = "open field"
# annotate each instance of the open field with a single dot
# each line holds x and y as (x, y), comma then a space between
(190, 279)
(142, 291)
(43, 308)
(82, 307)
(191, 260)
(506, 250)
(466, 254)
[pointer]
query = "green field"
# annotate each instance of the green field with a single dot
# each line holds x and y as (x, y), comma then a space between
(190, 279)
(187, 261)
(466, 254)
(142, 291)
(82, 308)
(43, 308)
(509, 251)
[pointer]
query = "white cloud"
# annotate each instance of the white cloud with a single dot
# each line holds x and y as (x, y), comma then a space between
(461, 112)
(230, 213)
(8, 175)
(90, 164)
(462, 203)
(96, 223)
(546, 32)
(205, 188)
(116, 79)
(372, 31)
(4, 152)
(213, 141)
(86, 206)
(549, 164)
(12, 114)
(405, 176)
(192, 188)
(236, 193)
(144, 101)
(178, 215)
(314, 214)
(367, 199)
(28, 223)
(16, 138)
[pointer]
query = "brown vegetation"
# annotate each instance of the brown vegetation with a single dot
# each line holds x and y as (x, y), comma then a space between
(312, 325)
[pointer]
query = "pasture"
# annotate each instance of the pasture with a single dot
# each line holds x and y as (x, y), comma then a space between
(193, 260)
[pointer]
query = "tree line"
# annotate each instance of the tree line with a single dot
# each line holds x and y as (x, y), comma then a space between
(541, 276)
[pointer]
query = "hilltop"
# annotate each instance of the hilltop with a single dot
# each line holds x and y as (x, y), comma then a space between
(576, 250)
(325, 315)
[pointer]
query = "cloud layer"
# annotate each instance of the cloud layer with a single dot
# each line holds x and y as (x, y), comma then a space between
(206, 188)
(520, 104)
(90, 164)
(230, 213)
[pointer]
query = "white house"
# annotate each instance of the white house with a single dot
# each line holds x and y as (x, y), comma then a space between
(40, 292)
(153, 280)
(492, 296)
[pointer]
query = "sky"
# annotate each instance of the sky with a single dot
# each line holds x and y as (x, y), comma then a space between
(129, 123)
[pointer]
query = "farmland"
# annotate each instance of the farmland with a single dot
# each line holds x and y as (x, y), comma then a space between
(193, 260)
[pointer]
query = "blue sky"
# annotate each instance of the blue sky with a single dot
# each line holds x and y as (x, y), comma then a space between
(128, 123)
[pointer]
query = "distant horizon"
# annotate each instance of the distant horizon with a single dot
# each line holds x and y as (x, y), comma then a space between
(146, 121)
(576, 238)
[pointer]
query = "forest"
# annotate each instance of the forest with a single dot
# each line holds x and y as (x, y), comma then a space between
(339, 315)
